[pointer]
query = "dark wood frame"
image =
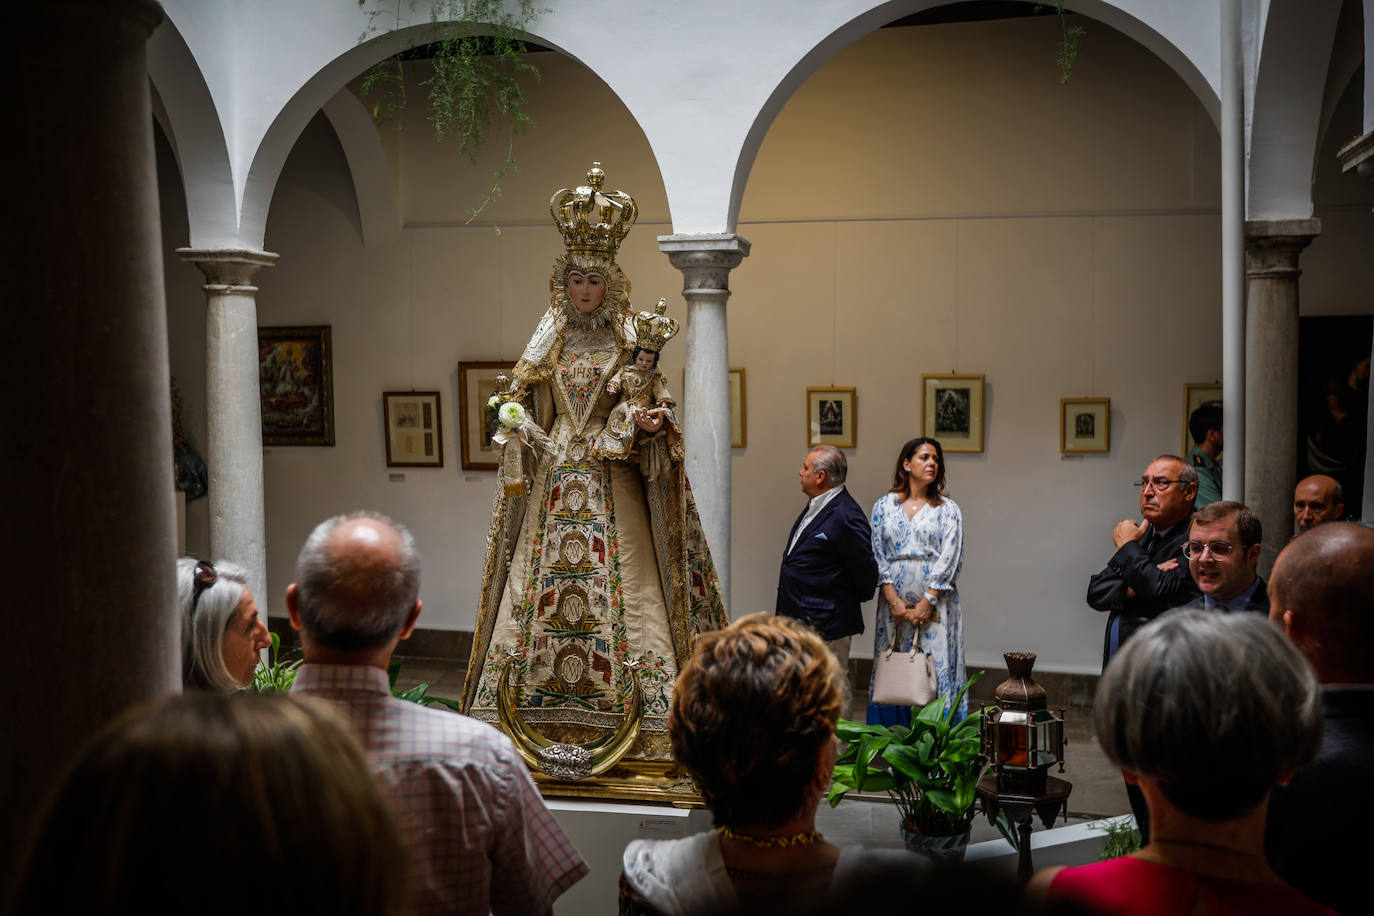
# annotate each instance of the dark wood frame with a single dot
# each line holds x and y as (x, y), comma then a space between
(318, 336)
(389, 429)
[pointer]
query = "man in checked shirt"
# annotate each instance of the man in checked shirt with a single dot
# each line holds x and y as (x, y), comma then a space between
(481, 838)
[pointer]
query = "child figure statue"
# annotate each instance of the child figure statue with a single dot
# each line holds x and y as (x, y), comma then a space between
(643, 393)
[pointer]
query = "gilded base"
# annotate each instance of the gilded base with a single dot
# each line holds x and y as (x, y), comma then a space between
(632, 781)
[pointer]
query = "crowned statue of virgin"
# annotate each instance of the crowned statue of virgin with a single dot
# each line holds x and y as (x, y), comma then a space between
(597, 574)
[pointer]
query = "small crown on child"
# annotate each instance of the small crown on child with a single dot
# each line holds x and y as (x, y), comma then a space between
(652, 329)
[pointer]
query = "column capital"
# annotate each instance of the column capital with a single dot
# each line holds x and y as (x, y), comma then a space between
(1358, 154)
(705, 260)
(1272, 246)
(228, 266)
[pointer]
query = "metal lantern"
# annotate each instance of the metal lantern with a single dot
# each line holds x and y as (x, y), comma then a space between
(1023, 739)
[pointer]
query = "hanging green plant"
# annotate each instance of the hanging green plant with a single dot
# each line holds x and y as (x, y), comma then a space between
(1070, 43)
(478, 52)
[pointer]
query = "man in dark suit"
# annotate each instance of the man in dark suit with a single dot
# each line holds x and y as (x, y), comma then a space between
(1322, 591)
(1148, 574)
(1223, 550)
(827, 567)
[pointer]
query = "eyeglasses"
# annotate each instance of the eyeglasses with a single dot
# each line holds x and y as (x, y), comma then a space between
(202, 577)
(1157, 483)
(1194, 549)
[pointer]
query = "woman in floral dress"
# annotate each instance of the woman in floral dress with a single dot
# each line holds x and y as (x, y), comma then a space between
(918, 541)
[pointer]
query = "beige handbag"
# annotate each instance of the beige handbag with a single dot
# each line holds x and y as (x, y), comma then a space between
(904, 678)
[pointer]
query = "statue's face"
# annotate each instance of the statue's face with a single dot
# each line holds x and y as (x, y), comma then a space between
(586, 291)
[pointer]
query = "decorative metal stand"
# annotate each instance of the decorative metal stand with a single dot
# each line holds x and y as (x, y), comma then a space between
(1023, 739)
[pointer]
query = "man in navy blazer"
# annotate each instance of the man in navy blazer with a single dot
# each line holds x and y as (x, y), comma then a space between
(827, 567)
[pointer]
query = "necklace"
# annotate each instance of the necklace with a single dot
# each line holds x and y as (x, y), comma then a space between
(802, 838)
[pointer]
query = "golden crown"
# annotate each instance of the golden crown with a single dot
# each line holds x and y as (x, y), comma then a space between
(593, 221)
(652, 329)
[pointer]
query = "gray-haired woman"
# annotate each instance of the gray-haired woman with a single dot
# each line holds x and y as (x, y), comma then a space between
(1206, 713)
(221, 632)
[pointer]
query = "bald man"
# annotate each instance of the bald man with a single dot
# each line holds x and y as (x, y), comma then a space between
(481, 838)
(1322, 592)
(1317, 499)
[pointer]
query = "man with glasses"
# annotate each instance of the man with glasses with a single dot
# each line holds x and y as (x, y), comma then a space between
(1223, 550)
(1317, 499)
(1148, 574)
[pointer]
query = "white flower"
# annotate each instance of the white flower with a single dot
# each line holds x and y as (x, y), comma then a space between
(494, 401)
(511, 415)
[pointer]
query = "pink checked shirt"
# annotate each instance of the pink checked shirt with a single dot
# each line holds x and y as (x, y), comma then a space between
(481, 839)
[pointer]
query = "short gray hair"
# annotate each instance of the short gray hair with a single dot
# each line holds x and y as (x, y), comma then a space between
(1186, 472)
(832, 461)
(202, 633)
(349, 607)
(1215, 708)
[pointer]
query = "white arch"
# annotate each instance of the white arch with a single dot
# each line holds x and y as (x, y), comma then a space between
(1290, 80)
(704, 86)
(372, 180)
(193, 126)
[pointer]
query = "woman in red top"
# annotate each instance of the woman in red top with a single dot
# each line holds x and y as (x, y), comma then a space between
(1206, 713)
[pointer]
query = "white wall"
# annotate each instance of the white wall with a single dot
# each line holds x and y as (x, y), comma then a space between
(932, 199)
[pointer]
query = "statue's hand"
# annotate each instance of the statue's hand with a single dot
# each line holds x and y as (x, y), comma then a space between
(651, 421)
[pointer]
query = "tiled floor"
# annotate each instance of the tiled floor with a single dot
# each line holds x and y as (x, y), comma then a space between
(1097, 787)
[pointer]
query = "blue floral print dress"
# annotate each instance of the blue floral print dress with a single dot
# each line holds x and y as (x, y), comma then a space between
(925, 551)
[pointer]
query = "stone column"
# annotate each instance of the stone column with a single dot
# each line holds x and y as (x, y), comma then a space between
(1271, 370)
(233, 421)
(1358, 154)
(89, 531)
(706, 262)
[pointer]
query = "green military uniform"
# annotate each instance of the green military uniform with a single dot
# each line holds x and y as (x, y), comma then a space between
(1208, 477)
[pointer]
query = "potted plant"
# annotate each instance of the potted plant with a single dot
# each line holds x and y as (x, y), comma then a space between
(930, 769)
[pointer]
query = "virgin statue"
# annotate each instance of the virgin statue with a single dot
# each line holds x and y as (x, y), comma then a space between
(597, 574)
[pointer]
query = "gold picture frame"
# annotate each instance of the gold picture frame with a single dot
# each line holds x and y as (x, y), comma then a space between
(414, 435)
(1085, 425)
(477, 383)
(739, 417)
(831, 417)
(952, 410)
(1195, 394)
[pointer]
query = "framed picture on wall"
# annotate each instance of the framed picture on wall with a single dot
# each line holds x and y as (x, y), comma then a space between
(296, 385)
(739, 418)
(1085, 424)
(476, 384)
(1195, 394)
(414, 438)
(952, 411)
(830, 418)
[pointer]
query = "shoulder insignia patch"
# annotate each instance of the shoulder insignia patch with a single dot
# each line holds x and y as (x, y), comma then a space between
(1197, 461)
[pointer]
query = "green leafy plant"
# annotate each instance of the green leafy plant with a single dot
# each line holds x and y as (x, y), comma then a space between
(478, 53)
(277, 674)
(419, 693)
(929, 769)
(1122, 837)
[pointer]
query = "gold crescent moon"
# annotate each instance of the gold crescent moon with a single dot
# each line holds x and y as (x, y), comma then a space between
(569, 761)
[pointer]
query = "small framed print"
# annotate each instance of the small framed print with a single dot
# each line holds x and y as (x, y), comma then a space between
(739, 419)
(952, 411)
(830, 418)
(296, 385)
(1195, 394)
(413, 435)
(476, 424)
(1085, 424)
